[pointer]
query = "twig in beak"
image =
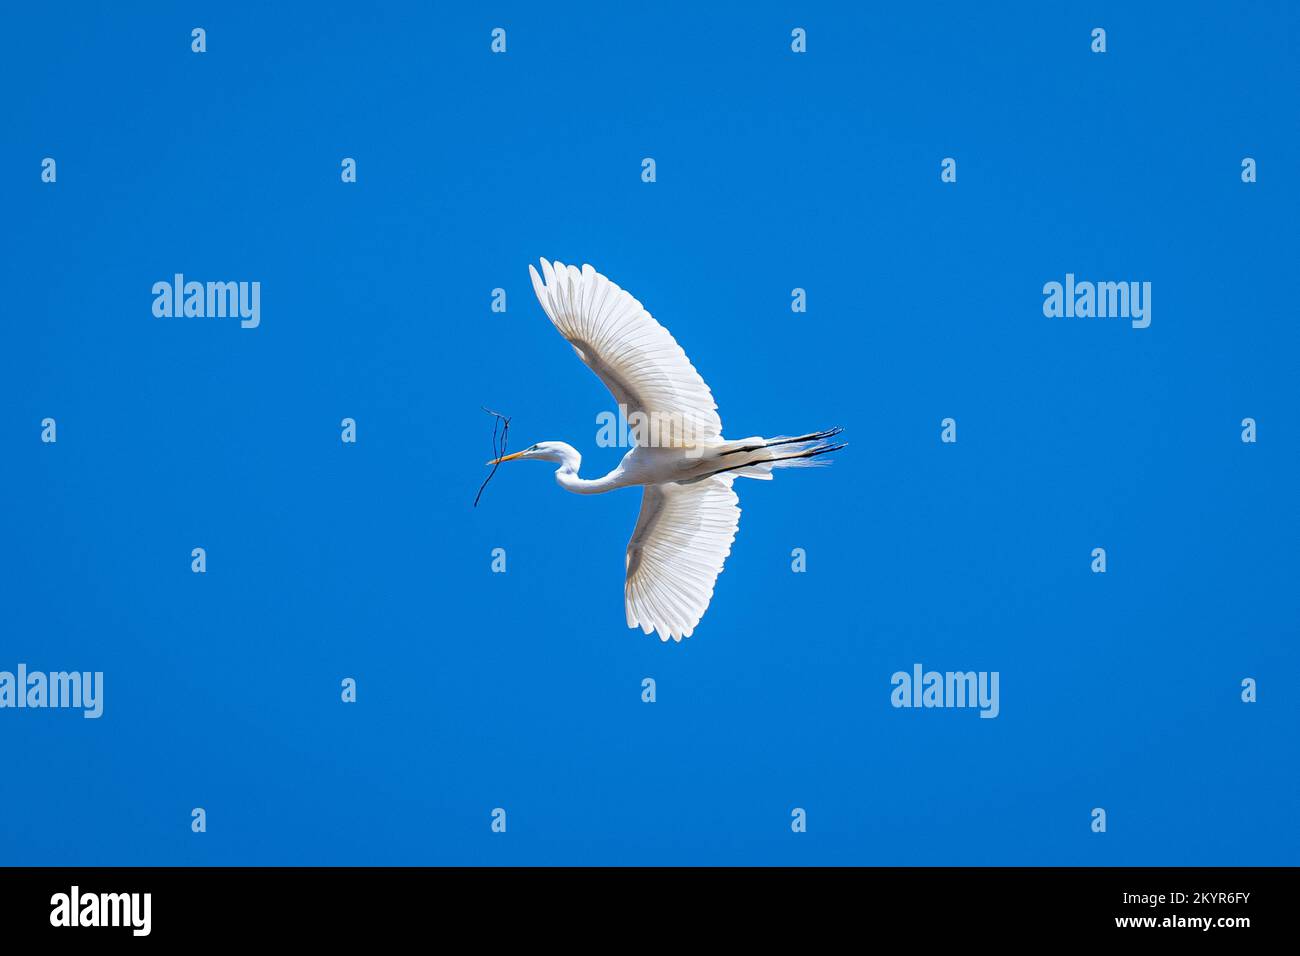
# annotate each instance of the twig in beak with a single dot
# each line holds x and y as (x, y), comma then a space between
(502, 422)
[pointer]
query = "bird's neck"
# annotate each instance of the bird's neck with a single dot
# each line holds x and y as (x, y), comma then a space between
(566, 476)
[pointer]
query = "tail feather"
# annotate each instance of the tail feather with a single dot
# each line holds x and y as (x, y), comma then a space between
(804, 458)
(757, 458)
(814, 437)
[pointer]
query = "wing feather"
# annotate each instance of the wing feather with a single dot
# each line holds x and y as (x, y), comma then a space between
(639, 361)
(682, 538)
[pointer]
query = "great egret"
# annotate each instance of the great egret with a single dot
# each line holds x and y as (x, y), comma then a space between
(689, 511)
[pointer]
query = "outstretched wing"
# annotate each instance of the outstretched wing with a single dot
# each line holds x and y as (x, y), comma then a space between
(681, 540)
(667, 403)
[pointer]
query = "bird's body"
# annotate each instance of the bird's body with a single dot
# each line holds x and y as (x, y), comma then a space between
(689, 511)
(652, 465)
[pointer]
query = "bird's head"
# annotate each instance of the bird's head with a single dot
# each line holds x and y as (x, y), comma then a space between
(556, 451)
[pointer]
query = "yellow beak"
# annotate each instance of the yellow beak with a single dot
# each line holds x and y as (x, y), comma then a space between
(506, 458)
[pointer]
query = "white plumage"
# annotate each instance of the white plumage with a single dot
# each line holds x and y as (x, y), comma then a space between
(682, 537)
(637, 358)
(689, 510)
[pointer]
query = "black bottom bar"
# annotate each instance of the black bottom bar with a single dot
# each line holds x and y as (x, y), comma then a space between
(343, 905)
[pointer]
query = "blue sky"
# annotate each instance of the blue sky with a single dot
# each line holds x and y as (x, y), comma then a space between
(522, 690)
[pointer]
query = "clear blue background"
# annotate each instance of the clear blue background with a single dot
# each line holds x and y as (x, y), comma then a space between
(775, 171)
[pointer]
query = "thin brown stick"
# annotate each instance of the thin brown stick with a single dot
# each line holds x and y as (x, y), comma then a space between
(502, 422)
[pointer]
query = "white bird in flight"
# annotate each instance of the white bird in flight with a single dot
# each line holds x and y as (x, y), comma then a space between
(689, 512)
